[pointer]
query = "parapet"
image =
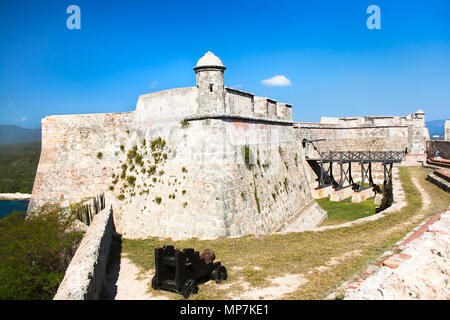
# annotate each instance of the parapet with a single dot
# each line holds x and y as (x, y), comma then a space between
(243, 103)
(412, 119)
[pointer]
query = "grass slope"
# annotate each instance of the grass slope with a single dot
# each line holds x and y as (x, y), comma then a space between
(304, 252)
(345, 210)
(18, 164)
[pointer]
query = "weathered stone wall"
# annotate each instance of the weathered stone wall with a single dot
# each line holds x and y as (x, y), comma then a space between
(79, 154)
(417, 133)
(353, 139)
(204, 188)
(239, 102)
(443, 147)
(86, 273)
(167, 105)
(447, 130)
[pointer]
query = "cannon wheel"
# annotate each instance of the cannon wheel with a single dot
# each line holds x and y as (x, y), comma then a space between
(190, 287)
(219, 274)
(155, 283)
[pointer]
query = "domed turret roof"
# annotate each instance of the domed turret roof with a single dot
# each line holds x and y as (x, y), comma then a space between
(209, 59)
(420, 111)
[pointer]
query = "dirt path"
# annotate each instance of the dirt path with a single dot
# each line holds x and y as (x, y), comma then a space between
(130, 283)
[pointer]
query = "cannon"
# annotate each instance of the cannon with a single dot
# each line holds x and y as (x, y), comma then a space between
(182, 270)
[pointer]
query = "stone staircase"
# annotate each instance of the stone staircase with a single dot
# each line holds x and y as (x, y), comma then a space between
(441, 178)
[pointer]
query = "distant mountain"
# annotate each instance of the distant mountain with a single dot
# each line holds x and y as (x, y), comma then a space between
(435, 127)
(15, 134)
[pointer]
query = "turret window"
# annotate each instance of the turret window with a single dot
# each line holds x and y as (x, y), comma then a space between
(210, 87)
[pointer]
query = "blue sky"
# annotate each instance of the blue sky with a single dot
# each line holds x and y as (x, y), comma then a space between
(336, 65)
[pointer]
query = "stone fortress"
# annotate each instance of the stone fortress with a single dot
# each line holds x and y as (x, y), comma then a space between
(204, 161)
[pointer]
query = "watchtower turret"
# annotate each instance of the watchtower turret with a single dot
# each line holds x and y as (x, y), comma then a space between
(209, 73)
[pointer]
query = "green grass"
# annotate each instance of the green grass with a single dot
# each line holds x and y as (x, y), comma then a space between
(345, 211)
(301, 253)
(18, 165)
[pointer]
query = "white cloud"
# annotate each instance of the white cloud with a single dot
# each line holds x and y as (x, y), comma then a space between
(23, 119)
(277, 81)
(154, 84)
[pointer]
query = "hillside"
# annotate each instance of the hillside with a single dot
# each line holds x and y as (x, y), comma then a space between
(14, 134)
(18, 164)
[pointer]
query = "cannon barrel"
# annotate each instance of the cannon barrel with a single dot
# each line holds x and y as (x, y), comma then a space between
(208, 255)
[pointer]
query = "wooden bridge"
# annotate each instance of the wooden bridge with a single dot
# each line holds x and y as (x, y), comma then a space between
(362, 158)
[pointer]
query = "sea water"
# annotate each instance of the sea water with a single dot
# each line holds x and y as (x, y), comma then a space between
(8, 206)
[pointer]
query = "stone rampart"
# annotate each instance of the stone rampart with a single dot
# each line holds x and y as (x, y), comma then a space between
(84, 278)
(78, 155)
(220, 177)
(447, 130)
(436, 148)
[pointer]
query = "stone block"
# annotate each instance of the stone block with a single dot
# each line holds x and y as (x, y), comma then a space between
(378, 199)
(363, 195)
(322, 192)
(339, 195)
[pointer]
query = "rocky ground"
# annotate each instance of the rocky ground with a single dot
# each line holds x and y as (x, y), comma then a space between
(420, 271)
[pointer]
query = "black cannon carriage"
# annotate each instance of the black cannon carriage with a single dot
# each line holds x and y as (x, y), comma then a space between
(182, 270)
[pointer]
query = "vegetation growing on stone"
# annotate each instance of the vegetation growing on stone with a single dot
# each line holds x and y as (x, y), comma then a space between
(131, 180)
(255, 192)
(135, 163)
(184, 124)
(100, 155)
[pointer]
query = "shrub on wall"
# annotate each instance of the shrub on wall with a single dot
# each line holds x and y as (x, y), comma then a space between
(35, 253)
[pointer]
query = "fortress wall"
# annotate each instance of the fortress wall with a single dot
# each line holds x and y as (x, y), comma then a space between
(261, 107)
(262, 196)
(367, 121)
(246, 104)
(86, 273)
(443, 148)
(354, 139)
(239, 102)
(418, 135)
(166, 105)
(223, 193)
(447, 130)
(69, 169)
